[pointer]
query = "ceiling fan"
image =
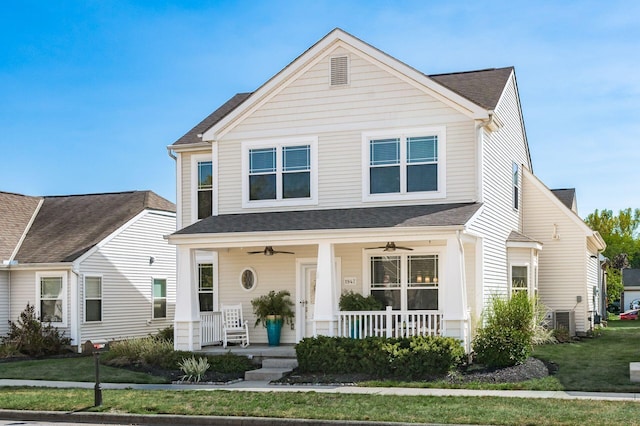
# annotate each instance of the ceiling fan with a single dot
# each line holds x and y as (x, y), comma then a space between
(390, 246)
(269, 251)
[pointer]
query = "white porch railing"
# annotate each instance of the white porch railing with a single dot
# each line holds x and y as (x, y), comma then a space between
(390, 323)
(210, 328)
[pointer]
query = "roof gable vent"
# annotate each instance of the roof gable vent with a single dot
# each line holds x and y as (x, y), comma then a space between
(339, 70)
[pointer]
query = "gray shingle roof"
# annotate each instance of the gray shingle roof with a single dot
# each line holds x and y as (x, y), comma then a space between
(67, 226)
(483, 87)
(371, 217)
(631, 277)
(15, 213)
(192, 135)
(516, 237)
(567, 196)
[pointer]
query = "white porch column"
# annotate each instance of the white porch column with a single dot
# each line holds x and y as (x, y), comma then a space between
(456, 313)
(187, 315)
(326, 293)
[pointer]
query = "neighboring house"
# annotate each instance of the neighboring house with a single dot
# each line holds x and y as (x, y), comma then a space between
(379, 179)
(97, 266)
(631, 288)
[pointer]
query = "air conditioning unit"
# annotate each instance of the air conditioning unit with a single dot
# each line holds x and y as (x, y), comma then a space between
(566, 320)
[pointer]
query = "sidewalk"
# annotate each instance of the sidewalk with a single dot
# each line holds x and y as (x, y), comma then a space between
(263, 386)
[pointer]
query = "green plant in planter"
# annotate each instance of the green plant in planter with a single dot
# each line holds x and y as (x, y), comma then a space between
(351, 301)
(272, 310)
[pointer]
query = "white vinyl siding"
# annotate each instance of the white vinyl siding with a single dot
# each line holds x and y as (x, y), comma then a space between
(374, 100)
(562, 270)
(500, 149)
(127, 276)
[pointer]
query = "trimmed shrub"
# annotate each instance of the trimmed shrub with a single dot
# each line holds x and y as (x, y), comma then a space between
(506, 338)
(166, 334)
(31, 337)
(411, 358)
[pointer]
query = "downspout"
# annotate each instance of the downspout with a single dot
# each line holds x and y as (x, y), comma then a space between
(76, 335)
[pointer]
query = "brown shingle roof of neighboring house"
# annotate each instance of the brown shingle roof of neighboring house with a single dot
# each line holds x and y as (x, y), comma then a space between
(68, 226)
(483, 87)
(369, 217)
(16, 211)
(567, 196)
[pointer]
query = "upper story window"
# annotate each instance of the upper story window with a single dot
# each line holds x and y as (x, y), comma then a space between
(205, 188)
(408, 165)
(203, 178)
(516, 181)
(280, 173)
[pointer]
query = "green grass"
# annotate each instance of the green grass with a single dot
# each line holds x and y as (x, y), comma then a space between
(600, 364)
(385, 408)
(80, 369)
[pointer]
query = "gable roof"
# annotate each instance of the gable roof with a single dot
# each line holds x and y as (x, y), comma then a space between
(368, 217)
(483, 87)
(567, 196)
(68, 226)
(16, 212)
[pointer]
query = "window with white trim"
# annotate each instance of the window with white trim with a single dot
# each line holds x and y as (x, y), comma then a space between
(516, 182)
(205, 287)
(159, 298)
(519, 279)
(52, 297)
(406, 282)
(92, 298)
(205, 189)
(405, 165)
(279, 173)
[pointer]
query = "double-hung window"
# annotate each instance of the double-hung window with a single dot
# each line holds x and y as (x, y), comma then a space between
(280, 173)
(404, 165)
(159, 298)
(406, 282)
(52, 297)
(205, 189)
(205, 287)
(519, 279)
(92, 299)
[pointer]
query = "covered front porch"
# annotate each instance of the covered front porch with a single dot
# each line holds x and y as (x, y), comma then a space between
(424, 275)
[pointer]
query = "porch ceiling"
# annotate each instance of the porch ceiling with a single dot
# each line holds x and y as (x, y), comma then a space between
(436, 215)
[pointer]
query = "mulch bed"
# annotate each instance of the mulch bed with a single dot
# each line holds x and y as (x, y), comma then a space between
(531, 369)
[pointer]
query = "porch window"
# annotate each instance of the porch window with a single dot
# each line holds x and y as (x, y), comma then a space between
(93, 299)
(205, 287)
(519, 279)
(406, 282)
(52, 299)
(159, 298)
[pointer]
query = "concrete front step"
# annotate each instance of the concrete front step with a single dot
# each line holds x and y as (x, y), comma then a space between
(289, 363)
(265, 374)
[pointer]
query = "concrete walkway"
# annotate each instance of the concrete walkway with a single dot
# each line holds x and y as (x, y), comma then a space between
(263, 386)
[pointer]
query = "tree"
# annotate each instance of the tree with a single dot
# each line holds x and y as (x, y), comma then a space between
(620, 232)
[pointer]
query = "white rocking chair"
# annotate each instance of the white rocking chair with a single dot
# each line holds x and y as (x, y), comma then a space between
(234, 327)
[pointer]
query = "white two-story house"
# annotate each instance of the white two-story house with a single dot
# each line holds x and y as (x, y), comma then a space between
(350, 170)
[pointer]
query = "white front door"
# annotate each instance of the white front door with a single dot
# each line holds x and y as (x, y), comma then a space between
(309, 300)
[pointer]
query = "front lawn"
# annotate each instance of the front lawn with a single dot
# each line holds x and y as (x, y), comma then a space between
(599, 364)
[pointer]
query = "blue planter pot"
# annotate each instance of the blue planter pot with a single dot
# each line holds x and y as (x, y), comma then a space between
(274, 328)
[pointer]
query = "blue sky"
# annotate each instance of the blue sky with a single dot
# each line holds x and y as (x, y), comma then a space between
(92, 92)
